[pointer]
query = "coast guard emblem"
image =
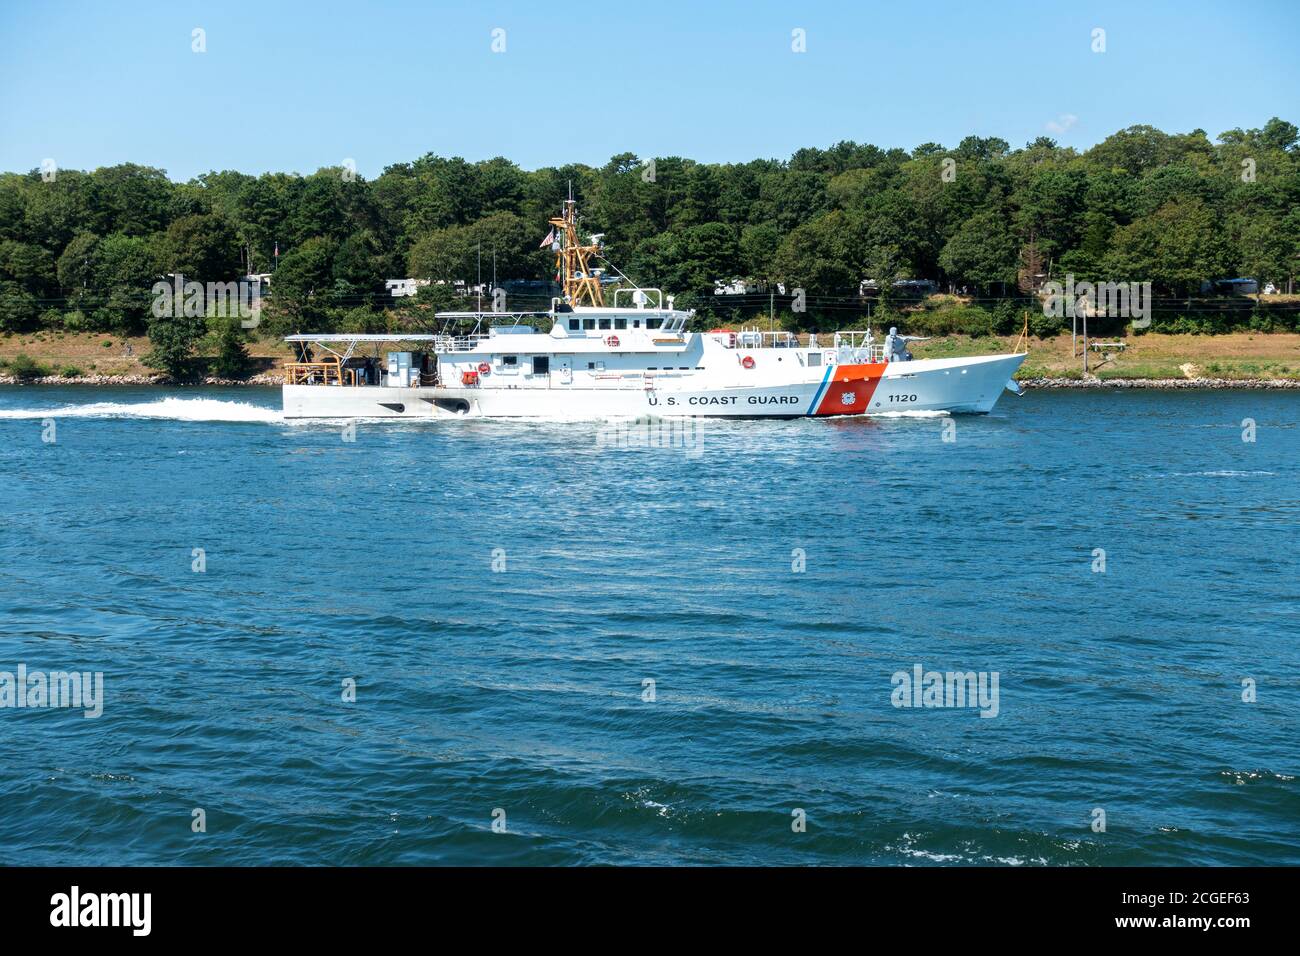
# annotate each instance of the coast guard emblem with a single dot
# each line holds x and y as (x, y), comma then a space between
(848, 398)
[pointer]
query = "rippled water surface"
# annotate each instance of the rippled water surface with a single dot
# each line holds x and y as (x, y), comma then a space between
(521, 692)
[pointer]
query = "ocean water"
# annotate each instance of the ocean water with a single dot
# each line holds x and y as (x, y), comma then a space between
(625, 653)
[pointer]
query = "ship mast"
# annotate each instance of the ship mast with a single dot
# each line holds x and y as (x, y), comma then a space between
(573, 259)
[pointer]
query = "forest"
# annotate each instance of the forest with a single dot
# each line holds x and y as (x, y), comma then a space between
(81, 251)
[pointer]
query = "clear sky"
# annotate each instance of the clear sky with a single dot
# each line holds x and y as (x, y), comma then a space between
(289, 86)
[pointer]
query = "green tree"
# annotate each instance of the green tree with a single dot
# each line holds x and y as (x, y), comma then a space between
(1052, 203)
(202, 248)
(1135, 150)
(983, 251)
(1176, 248)
(822, 257)
(758, 246)
(30, 266)
(53, 212)
(75, 270)
(791, 198)
(460, 252)
(125, 269)
(232, 360)
(500, 186)
(689, 260)
(172, 341)
(129, 199)
(18, 308)
(358, 269)
(301, 289)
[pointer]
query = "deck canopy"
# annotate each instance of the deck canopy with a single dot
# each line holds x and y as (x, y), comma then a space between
(357, 337)
(498, 316)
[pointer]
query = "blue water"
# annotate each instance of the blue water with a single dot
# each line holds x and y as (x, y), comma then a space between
(521, 690)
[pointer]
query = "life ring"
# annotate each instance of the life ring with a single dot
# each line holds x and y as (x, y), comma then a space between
(484, 368)
(747, 361)
(611, 341)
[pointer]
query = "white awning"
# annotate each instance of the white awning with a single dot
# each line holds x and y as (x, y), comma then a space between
(345, 337)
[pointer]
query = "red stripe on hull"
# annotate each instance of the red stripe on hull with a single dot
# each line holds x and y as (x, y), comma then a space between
(850, 390)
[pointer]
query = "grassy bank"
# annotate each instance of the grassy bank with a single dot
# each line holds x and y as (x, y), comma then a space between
(72, 354)
(1238, 355)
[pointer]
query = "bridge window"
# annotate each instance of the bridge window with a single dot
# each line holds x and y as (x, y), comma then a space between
(588, 323)
(620, 323)
(604, 323)
(574, 325)
(653, 323)
(511, 360)
(541, 365)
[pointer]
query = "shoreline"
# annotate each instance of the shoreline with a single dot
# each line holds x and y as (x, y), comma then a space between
(1242, 360)
(160, 381)
(1162, 383)
(275, 381)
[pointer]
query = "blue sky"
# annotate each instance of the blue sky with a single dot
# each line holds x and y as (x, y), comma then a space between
(289, 86)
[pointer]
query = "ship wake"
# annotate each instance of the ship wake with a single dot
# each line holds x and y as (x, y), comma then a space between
(174, 409)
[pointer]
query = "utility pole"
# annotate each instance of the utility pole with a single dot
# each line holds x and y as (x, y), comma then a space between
(1085, 343)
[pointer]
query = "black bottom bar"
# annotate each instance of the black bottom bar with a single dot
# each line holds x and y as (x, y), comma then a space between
(335, 905)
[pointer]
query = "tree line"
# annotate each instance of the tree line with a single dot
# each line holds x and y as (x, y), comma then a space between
(81, 251)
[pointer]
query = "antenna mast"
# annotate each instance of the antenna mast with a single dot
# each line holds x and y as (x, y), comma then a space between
(572, 261)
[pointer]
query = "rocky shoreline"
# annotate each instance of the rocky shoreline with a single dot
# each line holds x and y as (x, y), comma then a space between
(1159, 383)
(254, 380)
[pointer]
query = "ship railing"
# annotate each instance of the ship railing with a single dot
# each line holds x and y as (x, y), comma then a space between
(858, 347)
(458, 343)
(859, 355)
(752, 337)
(637, 379)
(330, 372)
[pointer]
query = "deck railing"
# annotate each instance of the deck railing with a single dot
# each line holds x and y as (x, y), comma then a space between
(318, 373)
(458, 343)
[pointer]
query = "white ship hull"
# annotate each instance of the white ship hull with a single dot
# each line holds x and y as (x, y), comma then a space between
(778, 387)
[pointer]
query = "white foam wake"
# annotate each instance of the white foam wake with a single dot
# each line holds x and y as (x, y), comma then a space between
(911, 413)
(176, 409)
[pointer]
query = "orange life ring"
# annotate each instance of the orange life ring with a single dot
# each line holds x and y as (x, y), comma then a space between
(747, 361)
(484, 368)
(611, 341)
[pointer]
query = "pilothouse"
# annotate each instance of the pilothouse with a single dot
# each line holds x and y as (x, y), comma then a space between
(632, 357)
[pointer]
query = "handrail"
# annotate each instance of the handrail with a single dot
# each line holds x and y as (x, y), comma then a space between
(305, 373)
(751, 336)
(458, 343)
